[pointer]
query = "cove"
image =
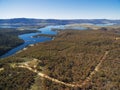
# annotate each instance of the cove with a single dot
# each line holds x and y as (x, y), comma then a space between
(28, 40)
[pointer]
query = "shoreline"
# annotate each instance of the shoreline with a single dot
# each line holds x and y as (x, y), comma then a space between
(31, 45)
(10, 49)
(14, 36)
(52, 37)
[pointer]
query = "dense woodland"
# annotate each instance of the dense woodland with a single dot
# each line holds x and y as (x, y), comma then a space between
(70, 58)
(9, 38)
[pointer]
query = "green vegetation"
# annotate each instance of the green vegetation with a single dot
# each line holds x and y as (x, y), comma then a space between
(9, 38)
(70, 58)
(44, 35)
(16, 79)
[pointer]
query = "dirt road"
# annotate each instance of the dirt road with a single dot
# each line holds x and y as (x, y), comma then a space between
(25, 65)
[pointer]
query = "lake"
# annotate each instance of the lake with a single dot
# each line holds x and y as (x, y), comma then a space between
(28, 40)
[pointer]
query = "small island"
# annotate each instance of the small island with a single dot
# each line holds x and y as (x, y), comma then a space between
(44, 35)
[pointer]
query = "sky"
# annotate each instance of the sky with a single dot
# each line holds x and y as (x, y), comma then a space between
(60, 9)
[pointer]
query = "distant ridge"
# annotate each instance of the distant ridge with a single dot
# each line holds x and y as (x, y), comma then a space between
(32, 21)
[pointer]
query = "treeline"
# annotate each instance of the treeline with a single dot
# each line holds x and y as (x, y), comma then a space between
(9, 38)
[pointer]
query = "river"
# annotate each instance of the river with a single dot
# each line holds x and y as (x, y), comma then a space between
(28, 39)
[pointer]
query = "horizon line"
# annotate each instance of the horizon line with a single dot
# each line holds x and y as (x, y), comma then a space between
(63, 18)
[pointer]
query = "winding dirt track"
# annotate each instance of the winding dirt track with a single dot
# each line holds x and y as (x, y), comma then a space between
(1, 69)
(95, 70)
(25, 65)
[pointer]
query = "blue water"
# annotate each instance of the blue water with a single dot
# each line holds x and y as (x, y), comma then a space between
(28, 40)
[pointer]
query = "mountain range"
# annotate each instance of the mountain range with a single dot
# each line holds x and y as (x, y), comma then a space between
(29, 21)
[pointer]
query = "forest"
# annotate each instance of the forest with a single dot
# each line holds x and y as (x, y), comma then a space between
(9, 38)
(70, 58)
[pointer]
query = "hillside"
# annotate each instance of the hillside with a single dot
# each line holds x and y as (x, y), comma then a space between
(9, 38)
(42, 22)
(74, 60)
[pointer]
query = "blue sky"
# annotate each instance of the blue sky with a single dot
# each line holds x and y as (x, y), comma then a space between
(60, 9)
